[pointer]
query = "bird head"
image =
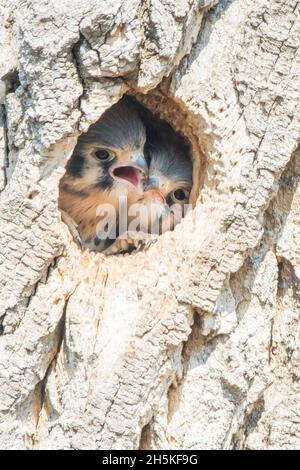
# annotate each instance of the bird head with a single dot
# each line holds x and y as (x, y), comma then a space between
(111, 154)
(170, 179)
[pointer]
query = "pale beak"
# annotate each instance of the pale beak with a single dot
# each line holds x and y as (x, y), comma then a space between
(152, 188)
(140, 163)
(153, 183)
(134, 172)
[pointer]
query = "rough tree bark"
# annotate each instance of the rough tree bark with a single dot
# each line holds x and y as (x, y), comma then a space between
(194, 343)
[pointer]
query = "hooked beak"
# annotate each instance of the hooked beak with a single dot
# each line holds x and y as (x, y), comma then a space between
(134, 172)
(152, 188)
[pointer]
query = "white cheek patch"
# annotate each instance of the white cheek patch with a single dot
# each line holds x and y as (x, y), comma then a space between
(92, 175)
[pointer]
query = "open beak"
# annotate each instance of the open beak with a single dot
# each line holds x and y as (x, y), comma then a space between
(134, 172)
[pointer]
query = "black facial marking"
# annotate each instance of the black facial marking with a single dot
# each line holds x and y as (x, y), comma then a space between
(76, 166)
(170, 201)
(105, 181)
(105, 165)
(97, 241)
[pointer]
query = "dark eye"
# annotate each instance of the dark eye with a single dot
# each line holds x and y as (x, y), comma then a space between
(102, 154)
(180, 195)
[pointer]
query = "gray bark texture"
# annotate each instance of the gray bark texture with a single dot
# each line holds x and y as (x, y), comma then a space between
(194, 343)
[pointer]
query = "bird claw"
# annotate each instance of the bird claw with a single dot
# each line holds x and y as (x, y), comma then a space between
(130, 241)
(72, 226)
(117, 247)
(134, 241)
(141, 240)
(150, 241)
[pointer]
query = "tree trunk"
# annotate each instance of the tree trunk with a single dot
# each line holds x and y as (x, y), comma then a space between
(194, 343)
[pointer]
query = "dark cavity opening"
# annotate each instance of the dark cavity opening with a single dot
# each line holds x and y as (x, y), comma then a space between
(127, 181)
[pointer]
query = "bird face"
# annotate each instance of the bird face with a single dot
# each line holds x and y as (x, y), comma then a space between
(168, 187)
(108, 162)
(112, 151)
(112, 169)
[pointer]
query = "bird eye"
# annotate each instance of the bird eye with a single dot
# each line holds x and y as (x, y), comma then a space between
(102, 154)
(180, 195)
